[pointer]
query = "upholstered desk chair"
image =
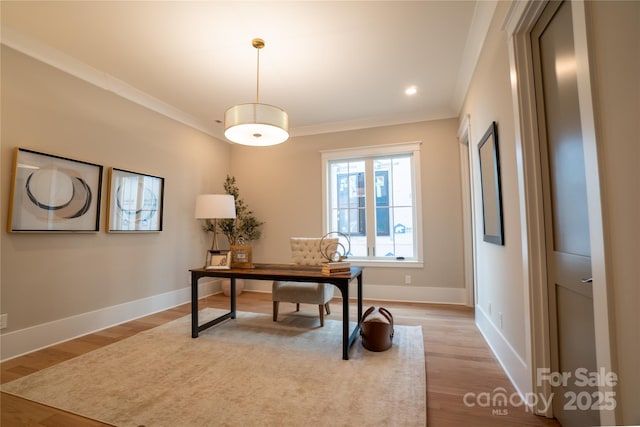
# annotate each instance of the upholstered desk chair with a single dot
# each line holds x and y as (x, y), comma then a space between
(305, 251)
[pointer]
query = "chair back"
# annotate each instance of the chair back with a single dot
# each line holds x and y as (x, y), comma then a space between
(306, 250)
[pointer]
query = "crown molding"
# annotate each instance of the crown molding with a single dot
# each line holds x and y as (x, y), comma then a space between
(105, 81)
(482, 16)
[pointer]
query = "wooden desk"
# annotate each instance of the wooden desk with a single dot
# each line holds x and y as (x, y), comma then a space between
(282, 272)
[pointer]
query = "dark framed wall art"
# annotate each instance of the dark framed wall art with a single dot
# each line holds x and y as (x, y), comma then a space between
(53, 194)
(135, 202)
(491, 188)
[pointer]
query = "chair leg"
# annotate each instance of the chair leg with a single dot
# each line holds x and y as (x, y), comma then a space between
(321, 315)
(297, 306)
(328, 308)
(275, 310)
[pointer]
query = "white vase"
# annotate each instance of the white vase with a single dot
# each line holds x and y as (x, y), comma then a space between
(226, 286)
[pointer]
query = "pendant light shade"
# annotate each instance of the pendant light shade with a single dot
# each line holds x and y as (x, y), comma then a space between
(256, 124)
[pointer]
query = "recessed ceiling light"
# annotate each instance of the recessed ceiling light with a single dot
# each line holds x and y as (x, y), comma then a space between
(411, 90)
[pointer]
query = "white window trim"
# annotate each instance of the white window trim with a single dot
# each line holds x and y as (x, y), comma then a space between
(378, 150)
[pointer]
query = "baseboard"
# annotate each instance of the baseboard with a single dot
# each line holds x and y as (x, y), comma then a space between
(514, 366)
(27, 340)
(426, 294)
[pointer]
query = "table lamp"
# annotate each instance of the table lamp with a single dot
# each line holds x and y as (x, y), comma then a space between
(214, 207)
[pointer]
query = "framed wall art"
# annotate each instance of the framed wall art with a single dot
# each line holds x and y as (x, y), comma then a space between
(53, 194)
(491, 189)
(135, 202)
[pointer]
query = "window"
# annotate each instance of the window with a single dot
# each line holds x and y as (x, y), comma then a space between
(372, 195)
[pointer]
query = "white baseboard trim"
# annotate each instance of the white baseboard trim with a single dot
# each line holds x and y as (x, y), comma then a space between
(27, 340)
(514, 366)
(427, 294)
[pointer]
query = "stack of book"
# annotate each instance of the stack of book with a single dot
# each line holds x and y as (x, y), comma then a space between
(336, 267)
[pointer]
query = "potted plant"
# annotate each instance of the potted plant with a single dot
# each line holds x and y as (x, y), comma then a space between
(244, 228)
(245, 225)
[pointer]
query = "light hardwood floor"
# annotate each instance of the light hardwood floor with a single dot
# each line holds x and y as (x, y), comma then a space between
(458, 362)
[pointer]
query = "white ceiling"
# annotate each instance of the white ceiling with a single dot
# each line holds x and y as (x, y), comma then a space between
(332, 65)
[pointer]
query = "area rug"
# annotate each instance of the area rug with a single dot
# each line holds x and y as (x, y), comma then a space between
(250, 371)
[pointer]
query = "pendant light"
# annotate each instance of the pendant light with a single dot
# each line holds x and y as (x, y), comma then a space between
(256, 124)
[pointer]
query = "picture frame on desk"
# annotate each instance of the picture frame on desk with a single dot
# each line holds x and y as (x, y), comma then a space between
(241, 256)
(218, 260)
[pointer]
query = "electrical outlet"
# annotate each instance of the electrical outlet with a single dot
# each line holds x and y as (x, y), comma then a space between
(500, 320)
(407, 279)
(3, 321)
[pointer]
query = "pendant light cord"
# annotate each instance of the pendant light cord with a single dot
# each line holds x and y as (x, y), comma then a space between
(258, 79)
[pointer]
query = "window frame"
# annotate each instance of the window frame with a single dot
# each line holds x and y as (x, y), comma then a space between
(366, 153)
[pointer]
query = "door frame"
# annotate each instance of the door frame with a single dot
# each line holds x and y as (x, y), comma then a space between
(468, 225)
(518, 25)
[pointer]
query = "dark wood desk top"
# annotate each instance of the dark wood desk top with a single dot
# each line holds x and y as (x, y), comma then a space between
(282, 272)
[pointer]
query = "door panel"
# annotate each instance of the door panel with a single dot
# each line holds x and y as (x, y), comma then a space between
(564, 136)
(566, 214)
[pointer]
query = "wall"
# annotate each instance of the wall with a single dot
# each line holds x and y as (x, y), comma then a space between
(501, 292)
(283, 185)
(48, 280)
(615, 49)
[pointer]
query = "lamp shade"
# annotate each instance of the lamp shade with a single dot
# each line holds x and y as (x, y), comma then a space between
(214, 206)
(256, 124)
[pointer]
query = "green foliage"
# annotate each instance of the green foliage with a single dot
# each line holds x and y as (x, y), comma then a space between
(245, 225)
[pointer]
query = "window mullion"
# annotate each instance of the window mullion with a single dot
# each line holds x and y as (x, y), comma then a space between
(370, 208)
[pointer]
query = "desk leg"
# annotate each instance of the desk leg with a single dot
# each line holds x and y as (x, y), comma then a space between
(359, 298)
(194, 306)
(196, 328)
(232, 289)
(345, 322)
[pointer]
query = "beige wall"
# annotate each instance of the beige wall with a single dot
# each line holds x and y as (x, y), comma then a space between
(614, 53)
(499, 268)
(283, 185)
(47, 277)
(616, 57)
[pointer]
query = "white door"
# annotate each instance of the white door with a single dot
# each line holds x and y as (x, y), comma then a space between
(566, 216)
